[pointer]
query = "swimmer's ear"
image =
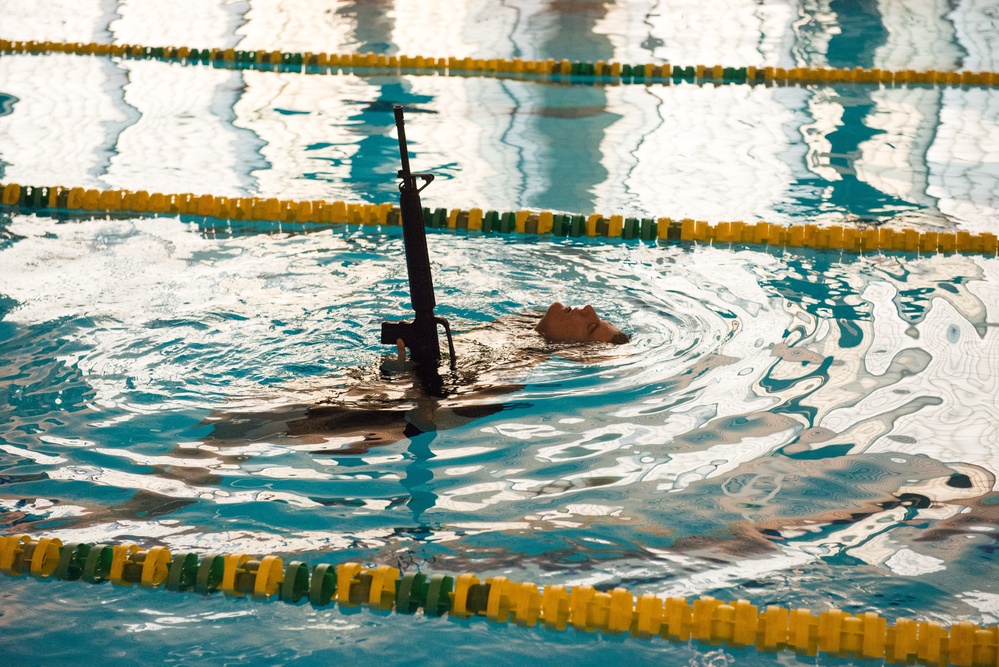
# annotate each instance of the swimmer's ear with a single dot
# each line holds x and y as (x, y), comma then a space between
(620, 339)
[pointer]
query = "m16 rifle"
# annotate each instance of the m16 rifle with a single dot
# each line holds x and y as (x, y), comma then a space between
(420, 335)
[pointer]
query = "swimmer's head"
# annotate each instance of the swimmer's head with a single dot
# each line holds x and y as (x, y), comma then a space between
(565, 324)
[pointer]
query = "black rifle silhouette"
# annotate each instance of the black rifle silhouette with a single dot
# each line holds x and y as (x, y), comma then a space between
(420, 335)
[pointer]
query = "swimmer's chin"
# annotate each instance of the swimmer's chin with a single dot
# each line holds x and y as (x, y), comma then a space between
(584, 352)
(618, 340)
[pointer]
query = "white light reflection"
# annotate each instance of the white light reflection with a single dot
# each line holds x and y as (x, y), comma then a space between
(58, 134)
(300, 25)
(974, 24)
(705, 152)
(986, 603)
(908, 563)
(194, 23)
(459, 28)
(173, 488)
(41, 459)
(478, 123)
(959, 421)
(183, 138)
(180, 538)
(894, 160)
(919, 36)
(54, 20)
(310, 129)
(963, 160)
(688, 32)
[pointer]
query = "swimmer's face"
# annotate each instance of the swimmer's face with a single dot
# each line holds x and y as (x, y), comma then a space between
(562, 323)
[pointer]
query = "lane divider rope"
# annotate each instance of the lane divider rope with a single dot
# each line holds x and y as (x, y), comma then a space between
(664, 230)
(613, 72)
(707, 620)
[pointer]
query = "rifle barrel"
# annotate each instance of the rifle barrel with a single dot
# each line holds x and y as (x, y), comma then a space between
(403, 149)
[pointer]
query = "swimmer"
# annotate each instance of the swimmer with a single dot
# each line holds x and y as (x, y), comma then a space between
(559, 324)
(378, 410)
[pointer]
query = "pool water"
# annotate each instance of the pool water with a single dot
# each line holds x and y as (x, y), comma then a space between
(798, 428)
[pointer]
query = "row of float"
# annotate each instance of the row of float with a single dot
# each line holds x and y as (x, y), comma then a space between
(583, 608)
(610, 72)
(854, 239)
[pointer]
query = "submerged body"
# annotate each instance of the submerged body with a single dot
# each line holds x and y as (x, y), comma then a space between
(377, 406)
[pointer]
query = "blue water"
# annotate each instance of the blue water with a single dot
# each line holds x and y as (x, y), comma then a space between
(796, 428)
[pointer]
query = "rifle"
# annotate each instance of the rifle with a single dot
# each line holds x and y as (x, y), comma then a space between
(420, 335)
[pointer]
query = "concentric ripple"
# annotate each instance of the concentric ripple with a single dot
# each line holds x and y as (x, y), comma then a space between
(771, 413)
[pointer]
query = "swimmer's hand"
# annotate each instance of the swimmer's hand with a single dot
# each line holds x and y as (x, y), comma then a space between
(399, 363)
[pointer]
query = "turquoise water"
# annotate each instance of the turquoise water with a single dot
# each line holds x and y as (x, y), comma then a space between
(800, 428)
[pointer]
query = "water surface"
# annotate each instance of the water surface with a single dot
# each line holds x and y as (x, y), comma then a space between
(794, 428)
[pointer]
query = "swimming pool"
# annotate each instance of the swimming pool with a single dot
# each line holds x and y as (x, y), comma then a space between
(793, 427)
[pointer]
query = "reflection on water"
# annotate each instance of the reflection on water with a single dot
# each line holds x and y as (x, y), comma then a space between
(832, 153)
(803, 428)
(772, 414)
